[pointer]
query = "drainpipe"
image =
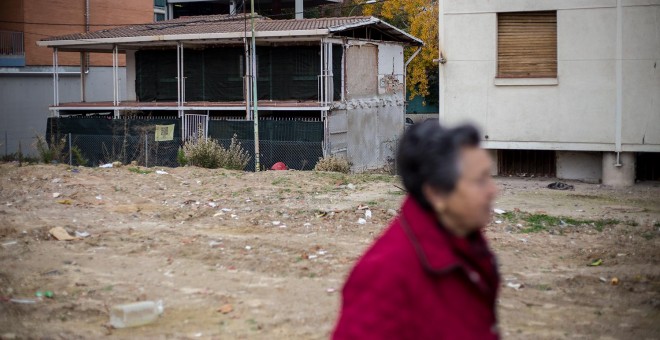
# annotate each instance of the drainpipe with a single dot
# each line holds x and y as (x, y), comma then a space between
(441, 69)
(84, 60)
(405, 81)
(619, 81)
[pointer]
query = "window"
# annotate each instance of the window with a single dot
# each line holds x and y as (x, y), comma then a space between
(159, 16)
(527, 45)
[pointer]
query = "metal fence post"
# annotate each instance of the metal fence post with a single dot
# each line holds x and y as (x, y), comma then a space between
(146, 150)
(70, 151)
(6, 143)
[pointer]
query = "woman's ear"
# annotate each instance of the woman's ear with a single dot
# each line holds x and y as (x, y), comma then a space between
(436, 199)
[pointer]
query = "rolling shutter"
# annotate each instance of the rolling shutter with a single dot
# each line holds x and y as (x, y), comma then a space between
(527, 45)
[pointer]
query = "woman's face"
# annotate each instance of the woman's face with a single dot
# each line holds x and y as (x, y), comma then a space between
(467, 208)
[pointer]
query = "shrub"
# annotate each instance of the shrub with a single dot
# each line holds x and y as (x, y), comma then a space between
(208, 153)
(49, 152)
(78, 156)
(181, 158)
(333, 164)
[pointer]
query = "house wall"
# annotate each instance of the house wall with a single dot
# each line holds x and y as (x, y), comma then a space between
(25, 100)
(581, 166)
(578, 111)
(365, 128)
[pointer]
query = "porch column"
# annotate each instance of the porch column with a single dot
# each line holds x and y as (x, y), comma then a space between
(56, 82)
(299, 9)
(83, 78)
(115, 79)
(180, 83)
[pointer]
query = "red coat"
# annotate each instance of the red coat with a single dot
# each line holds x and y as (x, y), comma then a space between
(420, 282)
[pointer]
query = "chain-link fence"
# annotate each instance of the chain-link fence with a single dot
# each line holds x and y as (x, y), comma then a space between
(144, 150)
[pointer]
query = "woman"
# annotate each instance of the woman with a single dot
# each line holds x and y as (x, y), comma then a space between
(431, 274)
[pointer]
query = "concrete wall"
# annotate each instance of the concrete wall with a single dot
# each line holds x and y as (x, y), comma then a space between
(575, 111)
(581, 166)
(367, 125)
(25, 100)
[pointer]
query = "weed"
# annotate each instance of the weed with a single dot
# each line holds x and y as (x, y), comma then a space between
(631, 223)
(333, 164)
(208, 153)
(181, 157)
(540, 222)
(139, 171)
(49, 152)
(280, 180)
(78, 156)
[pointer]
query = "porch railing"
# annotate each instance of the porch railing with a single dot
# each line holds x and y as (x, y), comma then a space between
(12, 51)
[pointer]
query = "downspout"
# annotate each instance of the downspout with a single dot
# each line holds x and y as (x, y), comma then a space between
(441, 69)
(619, 81)
(405, 81)
(84, 60)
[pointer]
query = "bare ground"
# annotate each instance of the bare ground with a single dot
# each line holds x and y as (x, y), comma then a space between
(166, 237)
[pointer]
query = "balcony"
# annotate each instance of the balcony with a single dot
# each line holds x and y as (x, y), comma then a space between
(12, 52)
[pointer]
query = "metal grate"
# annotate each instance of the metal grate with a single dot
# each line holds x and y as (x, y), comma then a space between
(11, 44)
(527, 163)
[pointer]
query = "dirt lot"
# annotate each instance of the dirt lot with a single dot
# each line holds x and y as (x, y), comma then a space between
(166, 236)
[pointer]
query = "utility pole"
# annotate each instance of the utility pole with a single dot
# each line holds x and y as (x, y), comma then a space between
(255, 97)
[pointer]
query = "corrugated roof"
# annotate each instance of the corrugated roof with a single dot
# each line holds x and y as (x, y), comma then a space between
(229, 24)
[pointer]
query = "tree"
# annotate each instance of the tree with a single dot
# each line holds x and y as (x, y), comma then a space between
(420, 19)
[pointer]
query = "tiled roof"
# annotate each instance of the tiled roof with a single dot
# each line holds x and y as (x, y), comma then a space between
(223, 24)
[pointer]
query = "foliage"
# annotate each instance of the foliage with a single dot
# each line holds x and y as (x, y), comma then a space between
(542, 222)
(208, 153)
(181, 157)
(49, 152)
(333, 164)
(78, 157)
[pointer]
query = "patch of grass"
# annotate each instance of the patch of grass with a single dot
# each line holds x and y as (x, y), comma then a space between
(108, 288)
(648, 236)
(280, 180)
(372, 203)
(542, 287)
(540, 222)
(631, 223)
(139, 171)
(397, 192)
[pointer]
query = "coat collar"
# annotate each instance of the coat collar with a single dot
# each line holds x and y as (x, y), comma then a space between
(432, 247)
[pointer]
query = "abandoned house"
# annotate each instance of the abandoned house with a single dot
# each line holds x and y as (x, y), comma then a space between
(345, 74)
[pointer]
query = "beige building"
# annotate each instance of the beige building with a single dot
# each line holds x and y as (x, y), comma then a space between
(566, 88)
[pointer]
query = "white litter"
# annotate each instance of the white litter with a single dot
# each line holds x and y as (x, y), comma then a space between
(10, 243)
(99, 197)
(312, 257)
(499, 211)
(109, 165)
(330, 290)
(226, 209)
(351, 186)
(321, 252)
(213, 204)
(516, 286)
(248, 247)
(218, 214)
(82, 234)
(161, 172)
(56, 194)
(362, 221)
(498, 222)
(276, 222)
(367, 214)
(307, 225)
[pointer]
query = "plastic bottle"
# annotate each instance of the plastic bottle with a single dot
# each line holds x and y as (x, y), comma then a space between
(135, 314)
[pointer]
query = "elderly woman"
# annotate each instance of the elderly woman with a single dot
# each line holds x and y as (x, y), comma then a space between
(431, 274)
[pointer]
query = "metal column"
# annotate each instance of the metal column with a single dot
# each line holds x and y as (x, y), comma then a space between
(83, 78)
(115, 79)
(56, 82)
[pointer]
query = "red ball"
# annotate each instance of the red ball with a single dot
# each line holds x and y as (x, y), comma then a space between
(279, 166)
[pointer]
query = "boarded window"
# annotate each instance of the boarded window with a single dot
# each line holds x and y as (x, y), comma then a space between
(527, 45)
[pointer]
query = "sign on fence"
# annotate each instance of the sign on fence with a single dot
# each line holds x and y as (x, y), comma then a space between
(164, 133)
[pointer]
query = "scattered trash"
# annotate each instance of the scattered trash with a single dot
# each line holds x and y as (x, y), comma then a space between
(10, 243)
(362, 221)
(82, 234)
(498, 222)
(198, 335)
(108, 165)
(116, 164)
(519, 225)
(392, 212)
(49, 294)
(212, 204)
(99, 197)
(362, 207)
(516, 286)
(321, 252)
(560, 186)
(23, 301)
(75, 171)
(596, 263)
(65, 202)
(279, 166)
(614, 281)
(57, 180)
(499, 211)
(215, 244)
(307, 225)
(580, 210)
(248, 247)
(39, 294)
(321, 214)
(226, 309)
(350, 186)
(523, 240)
(330, 290)
(367, 214)
(135, 314)
(161, 172)
(60, 234)
(56, 194)
(226, 209)
(276, 223)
